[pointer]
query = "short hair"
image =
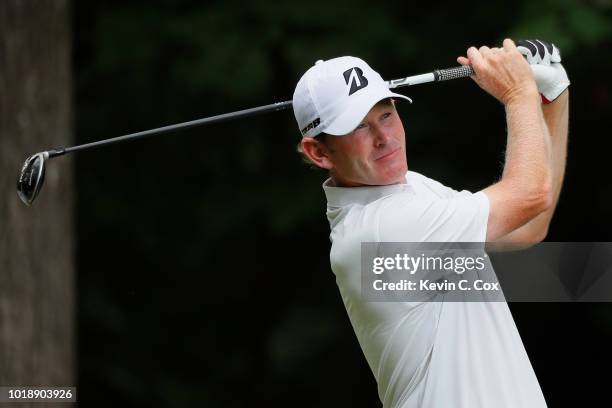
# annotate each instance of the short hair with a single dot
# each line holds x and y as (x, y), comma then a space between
(321, 138)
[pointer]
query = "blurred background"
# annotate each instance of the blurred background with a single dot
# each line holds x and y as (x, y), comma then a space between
(192, 269)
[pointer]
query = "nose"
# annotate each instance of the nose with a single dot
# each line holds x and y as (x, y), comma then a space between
(382, 136)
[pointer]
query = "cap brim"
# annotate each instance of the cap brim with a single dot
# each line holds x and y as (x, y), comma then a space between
(348, 120)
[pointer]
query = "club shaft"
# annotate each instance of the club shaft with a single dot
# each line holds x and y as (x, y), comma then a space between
(438, 75)
(171, 128)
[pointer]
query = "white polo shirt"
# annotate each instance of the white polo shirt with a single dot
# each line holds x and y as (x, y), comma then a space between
(427, 354)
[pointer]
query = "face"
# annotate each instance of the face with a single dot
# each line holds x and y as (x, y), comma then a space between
(373, 154)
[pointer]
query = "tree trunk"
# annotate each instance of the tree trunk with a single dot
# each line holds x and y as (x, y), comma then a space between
(37, 336)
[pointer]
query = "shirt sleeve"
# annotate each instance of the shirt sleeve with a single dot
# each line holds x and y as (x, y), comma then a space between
(460, 218)
(435, 187)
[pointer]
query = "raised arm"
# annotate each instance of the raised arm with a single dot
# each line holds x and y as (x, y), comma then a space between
(552, 82)
(526, 187)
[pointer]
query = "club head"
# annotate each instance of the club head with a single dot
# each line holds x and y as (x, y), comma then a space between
(32, 177)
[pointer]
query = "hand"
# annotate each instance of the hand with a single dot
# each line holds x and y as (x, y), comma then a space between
(549, 74)
(502, 72)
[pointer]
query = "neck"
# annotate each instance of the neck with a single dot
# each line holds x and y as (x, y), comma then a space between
(338, 182)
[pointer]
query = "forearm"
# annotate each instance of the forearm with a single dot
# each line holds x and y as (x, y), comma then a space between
(526, 177)
(524, 190)
(528, 148)
(556, 116)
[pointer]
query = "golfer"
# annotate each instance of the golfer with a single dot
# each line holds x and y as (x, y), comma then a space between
(436, 354)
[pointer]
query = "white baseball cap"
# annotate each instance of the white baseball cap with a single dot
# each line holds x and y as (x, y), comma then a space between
(334, 96)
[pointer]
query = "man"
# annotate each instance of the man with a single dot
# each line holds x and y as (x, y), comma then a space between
(436, 354)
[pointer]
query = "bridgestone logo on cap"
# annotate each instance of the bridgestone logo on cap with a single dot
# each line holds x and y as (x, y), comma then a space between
(311, 125)
(355, 78)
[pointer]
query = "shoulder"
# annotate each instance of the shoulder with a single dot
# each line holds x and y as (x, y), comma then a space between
(444, 217)
(430, 185)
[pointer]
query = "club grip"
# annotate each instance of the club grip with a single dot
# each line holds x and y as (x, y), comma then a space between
(453, 73)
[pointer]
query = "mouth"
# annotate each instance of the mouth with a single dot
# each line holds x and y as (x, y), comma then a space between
(388, 155)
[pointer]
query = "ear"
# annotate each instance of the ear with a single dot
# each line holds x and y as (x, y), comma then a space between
(317, 153)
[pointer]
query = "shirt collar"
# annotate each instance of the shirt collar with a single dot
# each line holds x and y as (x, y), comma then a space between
(341, 196)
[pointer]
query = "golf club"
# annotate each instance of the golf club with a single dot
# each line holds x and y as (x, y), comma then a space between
(32, 173)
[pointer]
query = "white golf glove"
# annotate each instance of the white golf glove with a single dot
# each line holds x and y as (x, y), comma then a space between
(545, 61)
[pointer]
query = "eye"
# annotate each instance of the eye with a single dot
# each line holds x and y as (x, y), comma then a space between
(386, 115)
(361, 126)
